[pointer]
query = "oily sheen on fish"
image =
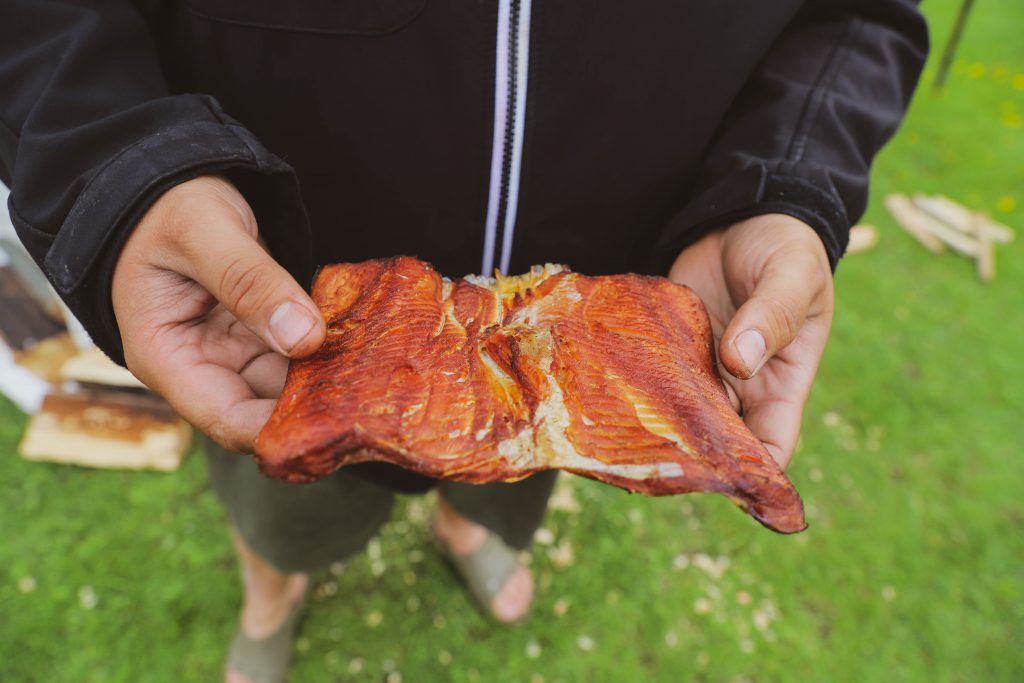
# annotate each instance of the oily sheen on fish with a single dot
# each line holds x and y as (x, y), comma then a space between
(484, 380)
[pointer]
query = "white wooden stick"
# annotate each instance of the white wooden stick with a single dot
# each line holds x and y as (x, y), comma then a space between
(963, 219)
(906, 214)
(985, 261)
(862, 238)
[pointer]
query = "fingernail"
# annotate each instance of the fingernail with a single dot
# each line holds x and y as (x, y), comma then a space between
(289, 325)
(751, 347)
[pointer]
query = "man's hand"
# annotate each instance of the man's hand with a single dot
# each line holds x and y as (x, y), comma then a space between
(767, 286)
(208, 319)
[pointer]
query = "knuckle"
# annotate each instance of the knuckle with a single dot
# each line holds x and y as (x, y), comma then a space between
(218, 429)
(189, 211)
(783, 318)
(180, 218)
(242, 285)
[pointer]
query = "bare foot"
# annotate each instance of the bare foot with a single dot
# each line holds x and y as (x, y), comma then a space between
(269, 597)
(265, 608)
(462, 537)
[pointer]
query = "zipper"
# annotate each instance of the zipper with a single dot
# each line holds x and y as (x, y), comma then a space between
(512, 54)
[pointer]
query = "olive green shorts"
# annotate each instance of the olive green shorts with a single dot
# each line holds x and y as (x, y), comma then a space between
(304, 527)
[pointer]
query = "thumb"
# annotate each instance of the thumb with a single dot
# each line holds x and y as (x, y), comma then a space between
(242, 276)
(771, 318)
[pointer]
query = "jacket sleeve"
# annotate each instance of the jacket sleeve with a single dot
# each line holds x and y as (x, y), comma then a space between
(90, 136)
(800, 136)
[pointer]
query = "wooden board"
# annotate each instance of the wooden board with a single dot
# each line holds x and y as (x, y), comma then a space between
(862, 238)
(93, 367)
(907, 215)
(918, 223)
(964, 219)
(937, 222)
(23, 321)
(47, 358)
(985, 262)
(32, 279)
(107, 429)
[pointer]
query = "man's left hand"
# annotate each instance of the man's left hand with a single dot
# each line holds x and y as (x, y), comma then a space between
(767, 286)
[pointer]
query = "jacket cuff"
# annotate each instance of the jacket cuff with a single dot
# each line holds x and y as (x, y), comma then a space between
(80, 260)
(752, 192)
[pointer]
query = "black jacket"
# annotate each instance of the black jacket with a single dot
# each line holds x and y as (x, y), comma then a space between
(606, 135)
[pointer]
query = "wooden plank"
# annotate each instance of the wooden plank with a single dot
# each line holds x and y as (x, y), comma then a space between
(997, 232)
(985, 261)
(925, 223)
(907, 216)
(46, 358)
(92, 366)
(954, 239)
(107, 429)
(28, 273)
(862, 238)
(963, 219)
(23, 321)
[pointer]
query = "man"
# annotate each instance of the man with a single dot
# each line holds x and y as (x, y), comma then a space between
(726, 145)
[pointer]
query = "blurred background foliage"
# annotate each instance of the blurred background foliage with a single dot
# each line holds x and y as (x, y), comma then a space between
(912, 569)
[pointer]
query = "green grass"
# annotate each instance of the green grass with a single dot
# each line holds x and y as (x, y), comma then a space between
(912, 570)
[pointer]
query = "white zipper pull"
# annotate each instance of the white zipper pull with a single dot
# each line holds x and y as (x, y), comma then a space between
(512, 56)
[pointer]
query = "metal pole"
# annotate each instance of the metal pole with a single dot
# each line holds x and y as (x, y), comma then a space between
(951, 44)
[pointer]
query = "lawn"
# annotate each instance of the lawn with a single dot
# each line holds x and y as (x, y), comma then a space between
(912, 569)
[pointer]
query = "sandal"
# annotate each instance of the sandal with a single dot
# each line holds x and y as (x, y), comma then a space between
(266, 660)
(485, 571)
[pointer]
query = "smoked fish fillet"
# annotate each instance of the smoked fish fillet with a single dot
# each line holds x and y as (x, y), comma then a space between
(483, 380)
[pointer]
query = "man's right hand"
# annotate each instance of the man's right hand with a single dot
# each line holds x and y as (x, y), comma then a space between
(208, 319)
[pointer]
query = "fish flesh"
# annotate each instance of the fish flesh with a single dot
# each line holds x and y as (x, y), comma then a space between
(484, 380)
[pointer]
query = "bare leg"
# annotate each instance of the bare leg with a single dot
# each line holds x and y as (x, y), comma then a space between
(269, 595)
(462, 537)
